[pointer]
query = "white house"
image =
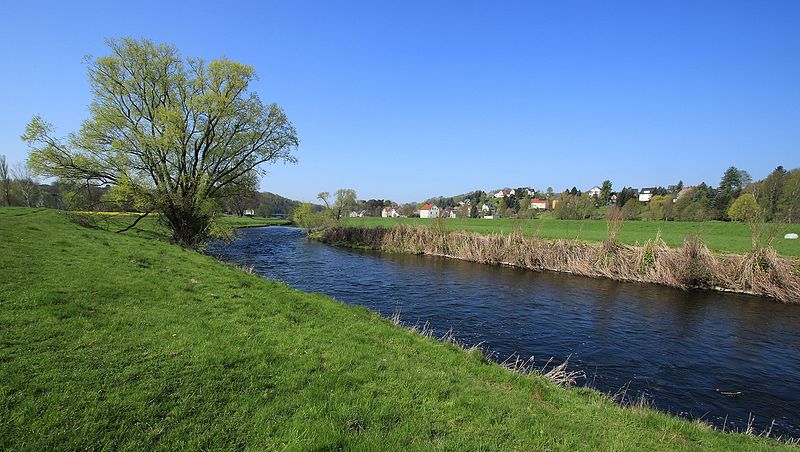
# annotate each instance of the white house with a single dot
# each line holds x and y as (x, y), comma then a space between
(537, 203)
(390, 212)
(594, 191)
(429, 211)
(505, 192)
(646, 193)
(249, 213)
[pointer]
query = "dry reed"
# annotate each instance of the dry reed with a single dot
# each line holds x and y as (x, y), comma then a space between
(690, 266)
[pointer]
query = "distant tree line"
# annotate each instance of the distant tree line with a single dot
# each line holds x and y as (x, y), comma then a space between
(774, 199)
(19, 186)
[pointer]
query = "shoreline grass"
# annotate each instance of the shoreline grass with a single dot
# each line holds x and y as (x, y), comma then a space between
(719, 236)
(116, 341)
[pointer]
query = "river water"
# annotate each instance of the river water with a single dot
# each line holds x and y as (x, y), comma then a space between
(674, 347)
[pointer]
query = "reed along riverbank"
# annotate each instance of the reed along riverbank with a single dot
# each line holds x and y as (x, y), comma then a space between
(690, 266)
(115, 341)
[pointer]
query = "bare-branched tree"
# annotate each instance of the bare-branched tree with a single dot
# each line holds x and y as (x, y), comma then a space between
(27, 184)
(5, 180)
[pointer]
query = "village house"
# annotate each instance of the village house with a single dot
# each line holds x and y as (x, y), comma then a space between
(540, 204)
(390, 212)
(488, 210)
(504, 193)
(249, 213)
(646, 194)
(594, 191)
(429, 211)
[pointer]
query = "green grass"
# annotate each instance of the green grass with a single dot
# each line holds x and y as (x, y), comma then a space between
(729, 237)
(150, 227)
(252, 222)
(117, 341)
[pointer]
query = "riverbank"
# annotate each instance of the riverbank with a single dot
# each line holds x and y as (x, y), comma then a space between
(118, 341)
(691, 266)
(719, 236)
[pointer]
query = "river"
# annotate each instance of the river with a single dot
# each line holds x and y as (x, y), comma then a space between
(674, 347)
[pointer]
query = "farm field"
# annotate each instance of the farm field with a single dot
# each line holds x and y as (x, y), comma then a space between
(724, 237)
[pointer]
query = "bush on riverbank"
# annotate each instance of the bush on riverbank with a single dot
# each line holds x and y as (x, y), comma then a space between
(761, 272)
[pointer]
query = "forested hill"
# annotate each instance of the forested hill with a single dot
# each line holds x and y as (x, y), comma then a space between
(267, 203)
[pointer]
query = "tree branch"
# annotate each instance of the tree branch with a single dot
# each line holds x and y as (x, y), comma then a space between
(135, 222)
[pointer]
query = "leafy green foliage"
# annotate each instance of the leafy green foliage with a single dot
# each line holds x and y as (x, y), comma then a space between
(174, 135)
(745, 208)
(306, 216)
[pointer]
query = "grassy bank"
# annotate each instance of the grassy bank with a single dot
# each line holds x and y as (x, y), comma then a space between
(150, 226)
(123, 342)
(717, 235)
(254, 222)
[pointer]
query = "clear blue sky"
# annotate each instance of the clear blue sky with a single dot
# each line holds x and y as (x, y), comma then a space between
(406, 100)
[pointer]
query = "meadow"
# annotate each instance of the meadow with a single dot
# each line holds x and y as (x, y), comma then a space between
(124, 341)
(724, 237)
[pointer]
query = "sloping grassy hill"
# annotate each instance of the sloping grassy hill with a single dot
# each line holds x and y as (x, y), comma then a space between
(122, 342)
(726, 237)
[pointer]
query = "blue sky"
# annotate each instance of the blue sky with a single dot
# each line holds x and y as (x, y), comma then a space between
(406, 100)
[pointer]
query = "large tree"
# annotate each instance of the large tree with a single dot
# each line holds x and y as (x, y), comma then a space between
(171, 134)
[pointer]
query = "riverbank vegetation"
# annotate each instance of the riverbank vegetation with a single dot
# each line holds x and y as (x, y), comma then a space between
(761, 271)
(125, 342)
(719, 236)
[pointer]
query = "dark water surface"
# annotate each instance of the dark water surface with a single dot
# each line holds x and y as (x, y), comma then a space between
(673, 346)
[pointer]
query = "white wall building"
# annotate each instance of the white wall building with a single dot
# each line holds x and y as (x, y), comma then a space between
(537, 203)
(429, 211)
(390, 212)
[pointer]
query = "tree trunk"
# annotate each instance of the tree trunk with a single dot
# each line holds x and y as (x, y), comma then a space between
(189, 227)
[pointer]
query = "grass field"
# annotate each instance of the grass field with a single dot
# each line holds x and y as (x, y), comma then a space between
(719, 236)
(252, 222)
(150, 227)
(115, 341)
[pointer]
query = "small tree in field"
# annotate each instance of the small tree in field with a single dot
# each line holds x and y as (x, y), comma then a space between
(170, 134)
(745, 208)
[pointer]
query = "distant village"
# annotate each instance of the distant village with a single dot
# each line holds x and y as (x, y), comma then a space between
(776, 198)
(495, 204)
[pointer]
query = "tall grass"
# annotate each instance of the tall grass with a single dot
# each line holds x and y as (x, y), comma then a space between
(692, 265)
